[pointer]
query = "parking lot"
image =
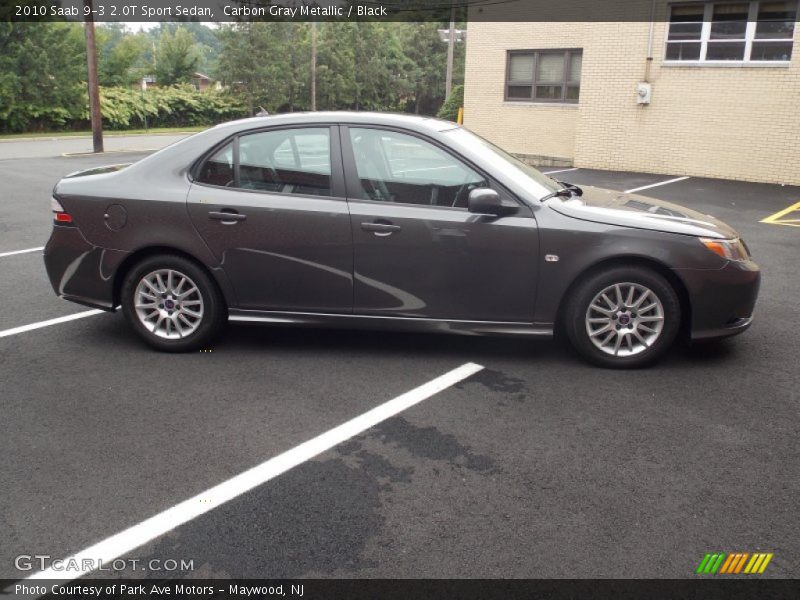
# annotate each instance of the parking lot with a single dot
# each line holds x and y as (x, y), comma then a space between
(537, 465)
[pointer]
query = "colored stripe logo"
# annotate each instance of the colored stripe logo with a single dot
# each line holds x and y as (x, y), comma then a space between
(734, 563)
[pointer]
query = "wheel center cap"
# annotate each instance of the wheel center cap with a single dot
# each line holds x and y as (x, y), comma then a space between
(624, 319)
(169, 304)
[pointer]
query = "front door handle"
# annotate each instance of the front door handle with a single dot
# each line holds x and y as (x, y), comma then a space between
(227, 216)
(381, 229)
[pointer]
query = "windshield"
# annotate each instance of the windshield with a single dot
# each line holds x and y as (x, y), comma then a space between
(503, 162)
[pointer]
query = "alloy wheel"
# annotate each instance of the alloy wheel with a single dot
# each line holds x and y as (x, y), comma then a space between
(624, 319)
(169, 304)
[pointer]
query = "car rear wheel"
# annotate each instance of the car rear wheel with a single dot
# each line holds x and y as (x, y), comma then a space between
(172, 304)
(623, 317)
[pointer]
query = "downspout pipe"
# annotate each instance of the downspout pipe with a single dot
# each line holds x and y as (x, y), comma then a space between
(650, 42)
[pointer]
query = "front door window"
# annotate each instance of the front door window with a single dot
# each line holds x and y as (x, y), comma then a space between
(395, 167)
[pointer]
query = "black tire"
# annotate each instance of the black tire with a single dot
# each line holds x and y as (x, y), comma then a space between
(576, 313)
(214, 311)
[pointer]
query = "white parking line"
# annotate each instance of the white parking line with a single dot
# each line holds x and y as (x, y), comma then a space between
(129, 539)
(21, 251)
(652, 185)
(56, 321)
(559, 171)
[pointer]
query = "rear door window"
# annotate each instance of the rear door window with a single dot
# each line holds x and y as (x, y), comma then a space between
(287, 161)
(218, 170)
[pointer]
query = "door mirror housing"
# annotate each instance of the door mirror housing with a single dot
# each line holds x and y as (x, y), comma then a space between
(486, 201)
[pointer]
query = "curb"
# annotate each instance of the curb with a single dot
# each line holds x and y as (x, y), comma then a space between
(123, 151)
(88, 137)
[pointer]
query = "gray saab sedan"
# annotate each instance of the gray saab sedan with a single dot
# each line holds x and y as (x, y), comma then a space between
(393, 222)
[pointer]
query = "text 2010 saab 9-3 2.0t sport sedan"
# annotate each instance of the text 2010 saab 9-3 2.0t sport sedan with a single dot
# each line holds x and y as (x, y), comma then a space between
(388, 221)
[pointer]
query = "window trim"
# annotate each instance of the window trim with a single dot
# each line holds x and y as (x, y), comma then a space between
(565, 82)
(353, 182)
(750, 31)
(338, 191)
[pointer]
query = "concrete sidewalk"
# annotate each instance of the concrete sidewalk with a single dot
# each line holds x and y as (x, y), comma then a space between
(55, 146)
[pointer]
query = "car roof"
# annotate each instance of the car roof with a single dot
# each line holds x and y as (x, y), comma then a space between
(161, 168)
(414, 122)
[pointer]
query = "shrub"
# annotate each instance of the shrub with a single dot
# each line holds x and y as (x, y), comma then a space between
(175, 106)
(126, 108)
(449, 110)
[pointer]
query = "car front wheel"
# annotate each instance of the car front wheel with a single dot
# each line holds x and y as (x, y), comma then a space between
(172, 303)
(623, 317)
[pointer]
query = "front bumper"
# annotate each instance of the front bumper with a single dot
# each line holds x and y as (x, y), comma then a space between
(79, 271)
(722, 300)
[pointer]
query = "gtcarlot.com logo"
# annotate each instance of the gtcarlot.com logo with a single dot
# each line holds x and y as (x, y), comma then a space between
(30, 562)
(734, 563)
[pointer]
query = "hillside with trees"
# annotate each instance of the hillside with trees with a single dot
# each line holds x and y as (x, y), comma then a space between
(359, 66)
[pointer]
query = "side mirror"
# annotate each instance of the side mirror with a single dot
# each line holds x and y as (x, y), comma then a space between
(486, 201)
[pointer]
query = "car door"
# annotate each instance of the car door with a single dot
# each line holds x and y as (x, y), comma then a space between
(418, 251)
(270, 205)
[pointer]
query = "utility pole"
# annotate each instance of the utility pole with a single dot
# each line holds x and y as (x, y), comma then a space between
(313, 65)
(94, 90)
(451, 36)
(451, 42)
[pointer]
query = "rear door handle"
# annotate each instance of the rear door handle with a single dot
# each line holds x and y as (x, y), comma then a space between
(227, 216)
(381, 229)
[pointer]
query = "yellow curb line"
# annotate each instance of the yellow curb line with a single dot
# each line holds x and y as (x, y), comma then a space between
(776, 218)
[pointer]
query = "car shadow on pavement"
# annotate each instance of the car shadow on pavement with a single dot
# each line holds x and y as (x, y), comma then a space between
(365, 343)
(324, 340)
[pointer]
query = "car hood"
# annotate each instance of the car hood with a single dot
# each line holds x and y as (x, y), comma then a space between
(632, 210)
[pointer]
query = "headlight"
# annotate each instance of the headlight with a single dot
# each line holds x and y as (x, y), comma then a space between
(728, 249)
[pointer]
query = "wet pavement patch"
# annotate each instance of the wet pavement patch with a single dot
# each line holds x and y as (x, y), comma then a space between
(430, 443)
(376, 465)
(317, 518)
(497, 382)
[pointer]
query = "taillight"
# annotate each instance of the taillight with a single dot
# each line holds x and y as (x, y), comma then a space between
(59, 214)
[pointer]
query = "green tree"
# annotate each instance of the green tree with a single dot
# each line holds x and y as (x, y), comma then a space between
(206, 41)
(177, 57)
(428, 54)
(362, 66)
(382, 67)
(336, 66)
(121, 54)
(268, 63)
(42, 75)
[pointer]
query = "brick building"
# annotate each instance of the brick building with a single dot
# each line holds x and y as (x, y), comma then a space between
(723, 78)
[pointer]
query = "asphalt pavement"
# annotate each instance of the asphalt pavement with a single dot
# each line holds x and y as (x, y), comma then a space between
(537, 466)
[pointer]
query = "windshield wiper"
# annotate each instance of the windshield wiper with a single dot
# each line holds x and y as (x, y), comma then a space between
(562, 193)
(568, 191)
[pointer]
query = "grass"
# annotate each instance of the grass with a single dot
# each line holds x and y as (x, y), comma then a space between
(109, 133)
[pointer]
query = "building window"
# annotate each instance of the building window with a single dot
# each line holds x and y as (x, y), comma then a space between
(543, 75)
(739, 32)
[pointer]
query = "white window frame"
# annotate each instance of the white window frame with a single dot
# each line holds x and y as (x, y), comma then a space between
(750, 37)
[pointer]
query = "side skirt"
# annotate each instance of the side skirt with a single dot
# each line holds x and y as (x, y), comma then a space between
(380, 322)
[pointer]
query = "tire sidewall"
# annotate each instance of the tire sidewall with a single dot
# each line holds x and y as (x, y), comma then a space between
(213, 306)
(586, 291)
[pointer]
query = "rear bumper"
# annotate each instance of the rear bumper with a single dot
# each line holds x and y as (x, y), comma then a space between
(722, 301)
(79, 271)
